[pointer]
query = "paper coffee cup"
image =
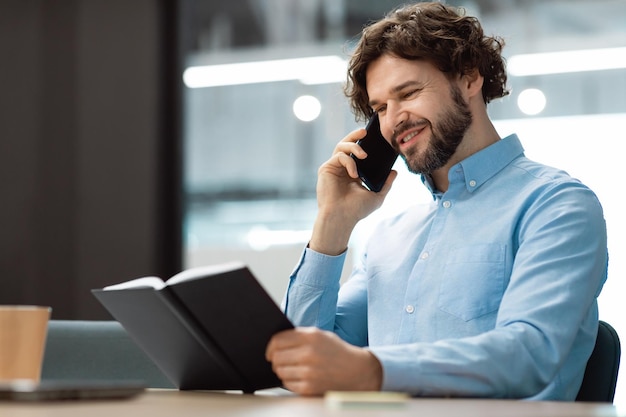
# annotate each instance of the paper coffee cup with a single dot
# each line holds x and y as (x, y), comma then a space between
(23, 332)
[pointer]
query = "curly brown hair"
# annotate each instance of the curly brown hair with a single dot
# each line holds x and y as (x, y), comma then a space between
(443, 35)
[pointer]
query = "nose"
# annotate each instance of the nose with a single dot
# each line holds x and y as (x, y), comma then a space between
(395, 116)
(398, 126)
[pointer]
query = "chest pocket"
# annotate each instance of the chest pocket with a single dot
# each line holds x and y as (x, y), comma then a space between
(473, 281)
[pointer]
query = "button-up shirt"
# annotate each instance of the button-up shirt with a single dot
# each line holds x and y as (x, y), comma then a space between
(490, 290)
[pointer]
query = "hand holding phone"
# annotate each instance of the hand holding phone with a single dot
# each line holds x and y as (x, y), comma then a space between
(375, 168)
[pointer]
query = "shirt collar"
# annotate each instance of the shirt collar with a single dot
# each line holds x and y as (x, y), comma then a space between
(481, 166)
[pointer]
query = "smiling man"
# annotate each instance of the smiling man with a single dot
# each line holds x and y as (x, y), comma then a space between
(491, 290)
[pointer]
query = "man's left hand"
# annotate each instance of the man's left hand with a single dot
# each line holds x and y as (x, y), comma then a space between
(310, 361)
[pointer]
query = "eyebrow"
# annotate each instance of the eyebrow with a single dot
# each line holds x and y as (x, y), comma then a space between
(399, 88)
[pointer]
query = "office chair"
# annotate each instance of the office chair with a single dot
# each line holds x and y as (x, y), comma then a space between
(602, 367)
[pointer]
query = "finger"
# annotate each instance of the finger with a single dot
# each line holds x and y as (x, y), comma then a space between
(348, 144)
(349, 148)
(288, 339)
(338, 166)
(288, 373)
(304, 388)
(354, 136)
(287, 357)
(280, 341)
(348, 163)
(299, 380)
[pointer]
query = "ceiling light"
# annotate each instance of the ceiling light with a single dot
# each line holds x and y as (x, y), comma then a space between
(307, 108)
(531, 101)
(309, 70)
(567, 61)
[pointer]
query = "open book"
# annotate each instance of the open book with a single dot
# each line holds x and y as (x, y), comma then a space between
(206, 328)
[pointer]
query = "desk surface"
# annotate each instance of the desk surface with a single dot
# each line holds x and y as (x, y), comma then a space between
(157, 403)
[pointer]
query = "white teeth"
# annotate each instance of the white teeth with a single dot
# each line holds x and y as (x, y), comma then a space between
(409, 137)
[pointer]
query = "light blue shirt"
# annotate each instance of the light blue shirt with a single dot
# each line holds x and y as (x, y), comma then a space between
(489, 291)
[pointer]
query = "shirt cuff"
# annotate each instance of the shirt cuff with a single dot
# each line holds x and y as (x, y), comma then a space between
(397, 374)
(318, 269)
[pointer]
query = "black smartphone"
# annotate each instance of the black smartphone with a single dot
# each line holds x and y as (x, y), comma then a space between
(381, 156)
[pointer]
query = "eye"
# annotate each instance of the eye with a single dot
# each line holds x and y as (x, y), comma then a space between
(380, 109)
(411, 93)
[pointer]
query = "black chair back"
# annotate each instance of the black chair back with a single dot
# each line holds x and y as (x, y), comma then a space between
(602, 367)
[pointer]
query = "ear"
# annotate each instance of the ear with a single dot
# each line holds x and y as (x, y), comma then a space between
(472, 84)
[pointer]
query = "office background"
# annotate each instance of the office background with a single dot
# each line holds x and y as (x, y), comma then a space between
(116, 162)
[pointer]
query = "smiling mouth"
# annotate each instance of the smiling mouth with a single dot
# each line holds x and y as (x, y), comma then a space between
(410, 136)
(418, 128)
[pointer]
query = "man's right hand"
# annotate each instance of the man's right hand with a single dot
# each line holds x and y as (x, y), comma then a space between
(342, 199)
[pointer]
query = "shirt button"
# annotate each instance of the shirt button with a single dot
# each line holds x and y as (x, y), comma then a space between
(472, 183)
(409, 309)
(446, 204)
(425, 255)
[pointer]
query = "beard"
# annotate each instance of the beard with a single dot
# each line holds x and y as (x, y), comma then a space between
(446, 135)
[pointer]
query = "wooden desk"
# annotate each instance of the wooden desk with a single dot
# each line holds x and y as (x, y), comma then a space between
(157, 403)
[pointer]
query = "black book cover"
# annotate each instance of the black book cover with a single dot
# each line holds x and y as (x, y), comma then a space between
(204, 332)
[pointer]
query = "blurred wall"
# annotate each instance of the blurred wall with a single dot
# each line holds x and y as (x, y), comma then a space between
(89, 149)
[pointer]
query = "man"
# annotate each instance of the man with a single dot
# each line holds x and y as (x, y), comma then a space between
(491, 290)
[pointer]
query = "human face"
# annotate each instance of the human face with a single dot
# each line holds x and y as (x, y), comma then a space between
(423, 114)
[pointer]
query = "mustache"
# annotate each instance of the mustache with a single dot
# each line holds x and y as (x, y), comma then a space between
(408, 125)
